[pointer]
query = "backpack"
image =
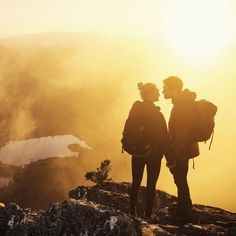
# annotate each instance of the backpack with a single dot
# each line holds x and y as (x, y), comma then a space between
(136, 138)
(204, 121)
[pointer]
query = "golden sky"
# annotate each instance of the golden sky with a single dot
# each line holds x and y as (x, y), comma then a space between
(116, 16)
(198, 43)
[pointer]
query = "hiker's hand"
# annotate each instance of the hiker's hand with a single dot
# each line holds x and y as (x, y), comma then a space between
(172, 170)
(171, 166)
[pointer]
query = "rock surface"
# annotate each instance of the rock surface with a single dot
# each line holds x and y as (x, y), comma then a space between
(103, 210)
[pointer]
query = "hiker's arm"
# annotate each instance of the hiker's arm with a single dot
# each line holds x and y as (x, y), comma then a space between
(164, 140)
(183, 128)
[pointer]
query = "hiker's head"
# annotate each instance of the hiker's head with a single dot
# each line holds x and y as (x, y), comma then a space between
(172, 87)
(149, 92)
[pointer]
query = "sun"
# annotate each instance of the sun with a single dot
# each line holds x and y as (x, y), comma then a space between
(199, 29)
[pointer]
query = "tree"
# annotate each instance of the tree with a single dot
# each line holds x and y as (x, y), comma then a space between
(100, 174)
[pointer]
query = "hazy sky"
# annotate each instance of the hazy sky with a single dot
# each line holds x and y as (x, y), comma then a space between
(138, 17)
(197, 41)
(194, 28)
(116, 16)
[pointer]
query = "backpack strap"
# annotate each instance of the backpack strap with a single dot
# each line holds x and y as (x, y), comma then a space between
(212, 136)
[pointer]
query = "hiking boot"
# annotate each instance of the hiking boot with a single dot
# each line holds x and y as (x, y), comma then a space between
(181, 215)
(133, 213)
(177, 206)
(152, 219)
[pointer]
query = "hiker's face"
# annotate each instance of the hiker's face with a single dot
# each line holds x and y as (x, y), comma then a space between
(153, 96)
(168, 93)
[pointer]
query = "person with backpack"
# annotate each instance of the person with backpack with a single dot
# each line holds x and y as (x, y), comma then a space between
(145, 138)
(183, 147)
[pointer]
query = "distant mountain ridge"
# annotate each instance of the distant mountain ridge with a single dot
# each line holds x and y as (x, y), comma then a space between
(57, 39)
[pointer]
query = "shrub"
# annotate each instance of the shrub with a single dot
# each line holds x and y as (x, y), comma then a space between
(100, 174)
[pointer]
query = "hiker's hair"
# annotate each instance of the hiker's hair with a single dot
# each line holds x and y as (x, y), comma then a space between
(173, 82)
(146, 89)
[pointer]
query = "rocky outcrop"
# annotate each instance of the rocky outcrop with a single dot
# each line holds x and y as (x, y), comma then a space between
(116, 195)
(103, 210)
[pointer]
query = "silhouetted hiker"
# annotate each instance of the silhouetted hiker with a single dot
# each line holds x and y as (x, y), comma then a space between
(145, 137)
(180, 127)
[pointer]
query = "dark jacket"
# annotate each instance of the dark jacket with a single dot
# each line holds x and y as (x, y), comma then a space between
(156, 125)
(181, 126)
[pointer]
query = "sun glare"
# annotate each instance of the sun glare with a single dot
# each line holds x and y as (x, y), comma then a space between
(200, 29)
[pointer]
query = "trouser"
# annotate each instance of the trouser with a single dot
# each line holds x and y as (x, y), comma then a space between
(180, 177)
(153, 170)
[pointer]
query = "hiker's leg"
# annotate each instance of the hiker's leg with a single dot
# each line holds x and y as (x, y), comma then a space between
(180, 177)
(137, 174)
(153, 171)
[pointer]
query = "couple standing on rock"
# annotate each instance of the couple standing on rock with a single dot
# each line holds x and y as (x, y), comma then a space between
(174, 143)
